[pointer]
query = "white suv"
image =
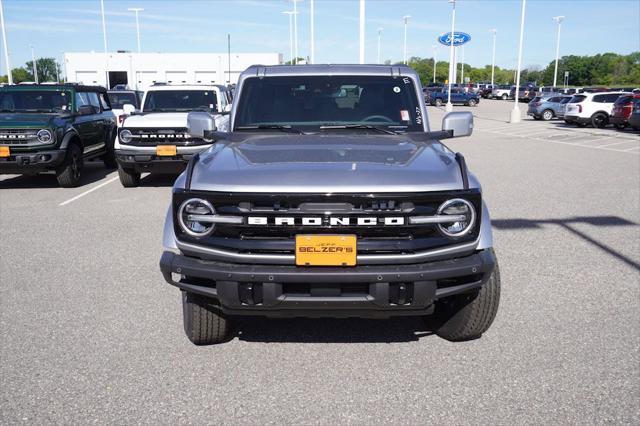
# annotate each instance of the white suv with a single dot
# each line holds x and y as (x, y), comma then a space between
(156, 140)
(591, 108)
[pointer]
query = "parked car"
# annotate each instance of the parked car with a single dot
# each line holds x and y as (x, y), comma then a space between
(458, 96)
(156, 139)
(546, 107)
(525, 93)
(622, 109)
(55, 127)
(120, 98)
(563, 106)
(487, 91)
(593, 108)
(502, 91)
(634, 119)
(330, 197)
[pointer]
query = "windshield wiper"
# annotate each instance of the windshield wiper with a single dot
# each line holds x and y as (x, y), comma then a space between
(286, 129)
(359, 126)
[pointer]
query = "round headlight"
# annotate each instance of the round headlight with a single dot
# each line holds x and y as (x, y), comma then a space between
(190, 217)
(44, 136)
(125, 136)
(457, 207)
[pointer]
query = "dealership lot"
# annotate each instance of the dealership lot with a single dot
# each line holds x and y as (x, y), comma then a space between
(90, 332)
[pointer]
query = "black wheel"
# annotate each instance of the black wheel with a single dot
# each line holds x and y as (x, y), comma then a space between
(128, 178)
(504, 97)
(568, 122)
(547, 115)
(599, 120)
(472, 102)
(109, 158)
(467, 316)
(438, 102)
(204, 323)
(68, 174)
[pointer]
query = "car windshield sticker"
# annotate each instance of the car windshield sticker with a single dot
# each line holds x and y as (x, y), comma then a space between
(396, 89)
(418, 115)
(404, 114)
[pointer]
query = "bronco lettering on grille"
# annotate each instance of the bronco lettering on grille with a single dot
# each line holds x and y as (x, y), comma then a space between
(319, 221)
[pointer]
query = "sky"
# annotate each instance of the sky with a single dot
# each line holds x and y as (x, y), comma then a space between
(57, 26)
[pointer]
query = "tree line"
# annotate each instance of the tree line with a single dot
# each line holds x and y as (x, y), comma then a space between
(602, 69)
(47, 68)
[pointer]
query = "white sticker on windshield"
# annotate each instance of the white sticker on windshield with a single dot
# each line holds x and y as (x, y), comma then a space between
(396, 89)
(404, 115)
(210, 106)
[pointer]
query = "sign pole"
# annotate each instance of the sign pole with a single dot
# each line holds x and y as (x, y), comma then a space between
(449, 106)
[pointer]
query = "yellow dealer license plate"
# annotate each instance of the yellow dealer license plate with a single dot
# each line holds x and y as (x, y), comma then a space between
(5, 151)
(326, 250)
(166, 150)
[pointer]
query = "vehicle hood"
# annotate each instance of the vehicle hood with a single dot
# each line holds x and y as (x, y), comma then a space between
(28, 120)
(157, 119)
(326, 164)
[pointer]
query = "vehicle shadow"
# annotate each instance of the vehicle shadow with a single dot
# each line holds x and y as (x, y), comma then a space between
(329, 330)
(517, 224)
(92, 172)
(158, 180)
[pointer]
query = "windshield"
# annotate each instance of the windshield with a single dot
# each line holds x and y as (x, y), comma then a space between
(313, 101)
(180, 101)
(35, 101)
(117, 100)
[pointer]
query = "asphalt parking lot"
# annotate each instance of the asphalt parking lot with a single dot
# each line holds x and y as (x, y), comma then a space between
(90, 333)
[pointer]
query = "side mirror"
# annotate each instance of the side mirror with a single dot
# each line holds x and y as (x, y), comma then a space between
(87, 110)
(200, 125)
(458, 123)
(128, 109)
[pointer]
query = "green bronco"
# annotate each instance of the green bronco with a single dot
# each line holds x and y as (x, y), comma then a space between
(55, 127)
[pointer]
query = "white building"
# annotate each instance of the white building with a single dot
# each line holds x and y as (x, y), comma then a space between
(140, 70)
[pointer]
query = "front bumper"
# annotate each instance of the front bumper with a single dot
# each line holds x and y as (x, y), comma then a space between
(144, 159)
(31, 162)
(360, 291)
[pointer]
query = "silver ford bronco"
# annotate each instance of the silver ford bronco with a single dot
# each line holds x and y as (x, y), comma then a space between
(330, 197)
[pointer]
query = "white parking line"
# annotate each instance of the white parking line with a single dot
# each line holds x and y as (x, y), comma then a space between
(631, 149)
(71, 200)
(611, 144)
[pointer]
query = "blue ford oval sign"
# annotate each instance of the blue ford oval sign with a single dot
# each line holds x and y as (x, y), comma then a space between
(458, 38)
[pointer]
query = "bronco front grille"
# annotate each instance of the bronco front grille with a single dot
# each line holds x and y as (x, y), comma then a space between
(162, 136)
(18, 137)
(376, 237)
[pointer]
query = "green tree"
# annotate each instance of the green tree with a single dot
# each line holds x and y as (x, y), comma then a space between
(48, 69)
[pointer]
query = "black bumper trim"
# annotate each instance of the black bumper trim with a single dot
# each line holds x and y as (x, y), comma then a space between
(223, 282)
(134, 160)
(32, 162)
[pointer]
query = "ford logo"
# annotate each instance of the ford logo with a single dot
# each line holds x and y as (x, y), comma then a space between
(458, 38)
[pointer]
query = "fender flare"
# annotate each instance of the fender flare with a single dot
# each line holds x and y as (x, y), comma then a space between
(67, 138)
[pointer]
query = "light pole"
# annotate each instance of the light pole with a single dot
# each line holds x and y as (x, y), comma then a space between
(515, 112)
(379, 35)
(435, 52)
(33, 64)
(104, 38)
(295, 30)
(6, 48)
(462, 67)
(493, 56)
(405, 18)
(362, 11)
(449, 106)
(137, 10)
(290, 13)
(312, 30)
(559, 20)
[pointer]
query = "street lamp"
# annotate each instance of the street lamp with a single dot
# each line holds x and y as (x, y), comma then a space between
(493, 55)
(515, 112)
(312, 30)
(290, 13)
(137, 10)
(405, 18)
(33, 64)
(6, 48)
(379, 34)
(449, 106)
(295, 30)
(435, 52)
(559, 20)
(362, 19)
(104, 38)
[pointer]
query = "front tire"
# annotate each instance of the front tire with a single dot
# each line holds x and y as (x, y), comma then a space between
(547, 115)
(109, 158)
(472, 102)
(69, 173)
(204, 323)
(467, 316)
(504, 97)
(438, 102)
(128, 178)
